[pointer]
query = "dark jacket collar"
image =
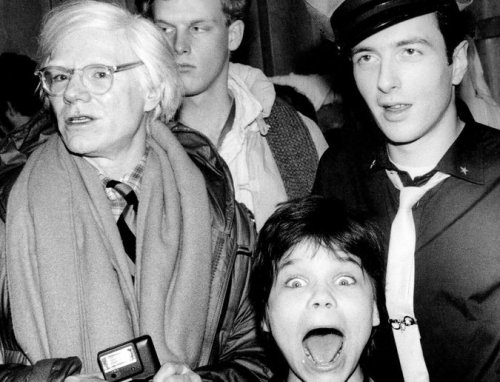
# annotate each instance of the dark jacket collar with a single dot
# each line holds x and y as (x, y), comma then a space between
(464, 158)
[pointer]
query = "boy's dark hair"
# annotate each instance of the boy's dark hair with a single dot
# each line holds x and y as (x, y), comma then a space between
(19, 84)
(233, 9)
(324, 222)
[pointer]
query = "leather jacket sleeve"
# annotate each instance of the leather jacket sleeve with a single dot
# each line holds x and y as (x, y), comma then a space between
(242, 357)
(47, 370)
(236, 352)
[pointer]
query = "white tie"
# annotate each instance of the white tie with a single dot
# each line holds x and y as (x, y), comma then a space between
(400, 279)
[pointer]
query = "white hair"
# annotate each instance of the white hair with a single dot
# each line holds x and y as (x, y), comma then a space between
(148, 42)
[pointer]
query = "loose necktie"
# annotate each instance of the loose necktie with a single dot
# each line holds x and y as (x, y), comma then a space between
(400, 279)
(127, 221)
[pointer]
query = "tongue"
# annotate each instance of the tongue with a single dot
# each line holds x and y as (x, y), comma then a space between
(323, 347)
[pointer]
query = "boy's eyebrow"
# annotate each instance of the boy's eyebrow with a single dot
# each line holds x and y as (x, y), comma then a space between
(410, 41)
(355, 260)
(349, 259)
(284, 264)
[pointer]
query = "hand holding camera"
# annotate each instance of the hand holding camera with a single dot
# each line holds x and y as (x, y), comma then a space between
(137, 360)
(134, 359)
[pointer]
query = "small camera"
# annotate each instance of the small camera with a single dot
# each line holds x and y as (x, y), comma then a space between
(134, 359)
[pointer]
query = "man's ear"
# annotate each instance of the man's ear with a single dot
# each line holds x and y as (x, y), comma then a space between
(152, 99)
(460, 62)
(235, 31)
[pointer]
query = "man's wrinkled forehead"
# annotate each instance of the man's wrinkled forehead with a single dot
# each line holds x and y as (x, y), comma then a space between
(355, 20)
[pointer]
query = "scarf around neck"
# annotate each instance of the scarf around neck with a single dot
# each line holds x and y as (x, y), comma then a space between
(69, 285)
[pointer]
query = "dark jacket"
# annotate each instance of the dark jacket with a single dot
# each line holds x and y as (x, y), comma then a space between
(231, 350)
(457, 262)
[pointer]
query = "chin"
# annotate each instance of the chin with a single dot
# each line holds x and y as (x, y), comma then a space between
(79, 147)
(403, 138)
(322, 377)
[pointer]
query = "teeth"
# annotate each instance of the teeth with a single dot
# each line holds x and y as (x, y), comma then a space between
(323, 346)
(324, 363)
(78, 119)
(395, 107)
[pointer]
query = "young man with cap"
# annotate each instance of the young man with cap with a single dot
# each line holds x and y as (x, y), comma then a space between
(433, 181)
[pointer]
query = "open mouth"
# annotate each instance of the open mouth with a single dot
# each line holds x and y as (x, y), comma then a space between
(323, 346)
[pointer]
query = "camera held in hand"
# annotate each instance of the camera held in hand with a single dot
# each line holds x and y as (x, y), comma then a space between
(134, 359)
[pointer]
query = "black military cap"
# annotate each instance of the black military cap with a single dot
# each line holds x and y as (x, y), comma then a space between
(355, 20)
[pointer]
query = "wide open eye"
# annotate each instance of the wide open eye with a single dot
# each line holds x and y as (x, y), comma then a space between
(295, 282)
(346, 280)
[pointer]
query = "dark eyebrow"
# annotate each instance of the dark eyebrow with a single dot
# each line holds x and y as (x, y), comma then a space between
(360, 49)
(285, 263)
(410, 41)
(416, 40)
(350, 258)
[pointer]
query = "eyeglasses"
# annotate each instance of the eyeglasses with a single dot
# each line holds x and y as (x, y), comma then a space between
(97, 78)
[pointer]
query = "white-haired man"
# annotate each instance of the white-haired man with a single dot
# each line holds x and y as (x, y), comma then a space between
(112, 230)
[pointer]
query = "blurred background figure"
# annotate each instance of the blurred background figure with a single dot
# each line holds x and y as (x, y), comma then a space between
(476, 93)
(24, 122)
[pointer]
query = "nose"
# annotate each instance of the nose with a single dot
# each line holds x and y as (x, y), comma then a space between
(76, 90)
(322, 297)
(182, 42)
(388, 76)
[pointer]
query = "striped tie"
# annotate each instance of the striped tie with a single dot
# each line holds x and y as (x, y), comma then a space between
(127, 221)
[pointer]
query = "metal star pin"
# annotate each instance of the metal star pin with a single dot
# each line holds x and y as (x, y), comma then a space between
(464, 170)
